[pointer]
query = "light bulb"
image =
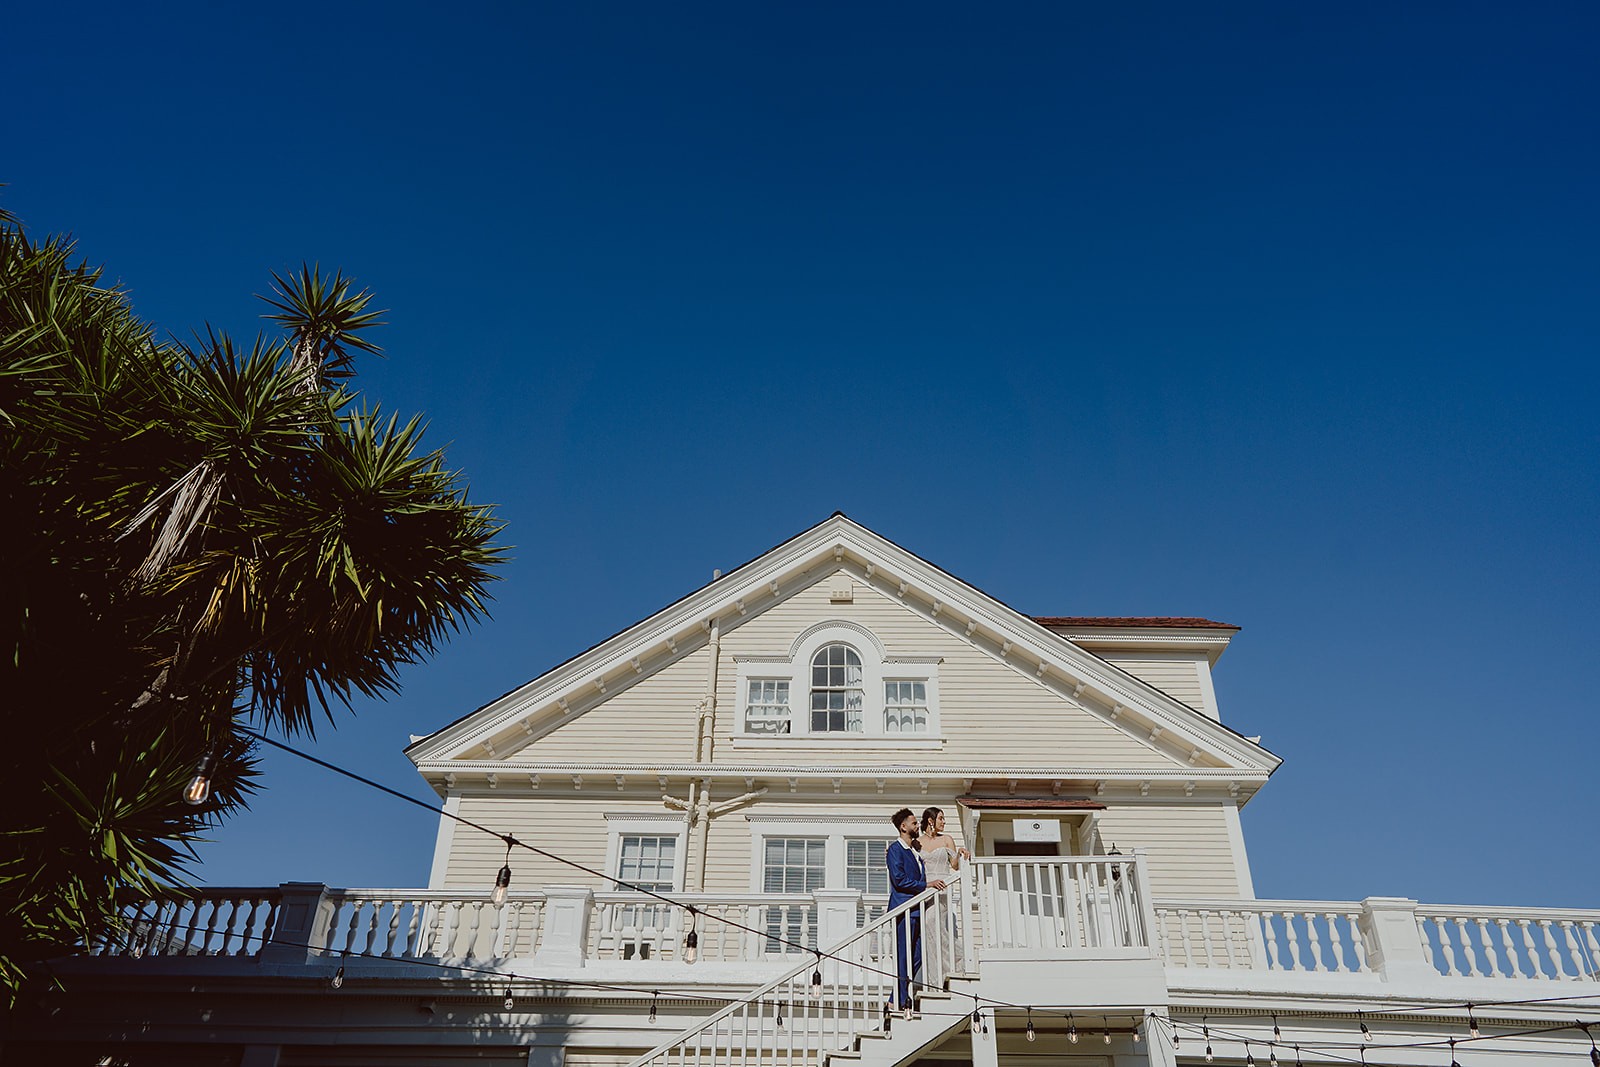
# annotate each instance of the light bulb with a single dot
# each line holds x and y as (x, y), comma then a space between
(1072, 1030)
(976, 1023)
(502, 885)
(691, 947)
(1209, 1057)
(338, 977)
(888, 1018)
(198, 791)
(510, 1000)
(653, 997)
(1031, 1035)
(1107, 1036)
(1137, 1035)
(1472, 1022)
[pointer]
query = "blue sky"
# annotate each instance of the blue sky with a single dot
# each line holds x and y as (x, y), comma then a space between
(1283, 315)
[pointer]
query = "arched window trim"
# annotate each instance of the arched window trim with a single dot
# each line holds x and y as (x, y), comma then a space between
(755, 718)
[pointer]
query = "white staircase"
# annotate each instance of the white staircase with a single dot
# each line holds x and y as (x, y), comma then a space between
(833, 1005)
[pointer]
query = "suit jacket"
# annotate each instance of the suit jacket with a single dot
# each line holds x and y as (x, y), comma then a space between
(906, 875)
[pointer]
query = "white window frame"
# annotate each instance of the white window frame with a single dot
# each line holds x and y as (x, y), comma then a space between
(632, 824)
(834, 830)
(877, 667)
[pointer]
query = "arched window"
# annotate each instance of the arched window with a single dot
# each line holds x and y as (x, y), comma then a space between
(836, 693)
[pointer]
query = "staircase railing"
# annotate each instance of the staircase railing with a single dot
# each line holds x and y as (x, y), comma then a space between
(822, 1003)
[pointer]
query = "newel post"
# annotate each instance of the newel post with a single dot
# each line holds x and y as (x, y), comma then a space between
(565, 941)
(300, 931)
(1394, 945)
(836, 920)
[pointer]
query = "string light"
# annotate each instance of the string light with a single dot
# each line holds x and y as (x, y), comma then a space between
(888, 1018)
(1138, 1027)
(1277, 1035)
(198, 791)
(1107, 1035)
(1366, 1035)
(1072, 1030)
(1472, 1022)
(1594, 1050)
(1249, 1057)
(780, 1016)
(1297, 1062)
(510, 1001)
(1272, 1055)
(337, 980)
(1205, 1032)
(654, 996)
(502, 881)
(1453, 1061)
(1031, 1035)
(691, 943)
(816, 977)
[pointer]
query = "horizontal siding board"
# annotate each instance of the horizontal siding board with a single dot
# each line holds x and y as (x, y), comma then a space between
(653, 718)
(1176, 674)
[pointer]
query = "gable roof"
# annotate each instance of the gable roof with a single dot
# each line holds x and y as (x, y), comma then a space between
(1023, 642)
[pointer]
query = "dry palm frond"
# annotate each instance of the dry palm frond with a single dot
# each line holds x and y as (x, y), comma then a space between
(191, 497)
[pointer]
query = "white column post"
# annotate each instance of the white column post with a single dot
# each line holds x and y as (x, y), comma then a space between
(300, 932)
(836, 921)
(986, 1047)
(565, 941)
(1394, 947)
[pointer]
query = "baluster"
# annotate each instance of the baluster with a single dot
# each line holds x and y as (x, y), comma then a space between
(1574, 950)
(350, 935)
(246, 935)
(1486, 961)
(1269, 934)
(372, 927)
(1446, 950)
(1465, 933)
(1335, 945)
(1224, 915)
(1532, 970)
(1427, 942)
(1314, 941)
(230, 929)
(1358, 944)
(1554, 951)
(1505, 953)
(416, 929)
(396, 906)
(1592, 953)
(195, 928)
(1292, 937)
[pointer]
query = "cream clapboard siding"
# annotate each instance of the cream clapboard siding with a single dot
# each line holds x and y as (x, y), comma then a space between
(991, 714)
(1188, 845)
(569, 824)
(1189, 850)
(1175, 673)
(653, 719)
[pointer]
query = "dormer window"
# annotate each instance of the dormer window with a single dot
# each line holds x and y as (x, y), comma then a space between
(837, 682)
(836, 695)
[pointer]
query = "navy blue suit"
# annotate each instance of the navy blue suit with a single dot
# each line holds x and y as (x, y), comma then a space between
(907, 879)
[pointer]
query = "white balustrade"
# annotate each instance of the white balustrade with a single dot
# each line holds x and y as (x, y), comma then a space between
(1528, 943)
(1302, 936)
(1061, 907)
(206, 922)
(439, 924)
(728, 928)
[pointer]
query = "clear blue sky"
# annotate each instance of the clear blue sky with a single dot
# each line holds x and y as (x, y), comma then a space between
(1284, 315)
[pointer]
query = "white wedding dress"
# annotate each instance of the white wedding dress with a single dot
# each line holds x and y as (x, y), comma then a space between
(940, 863)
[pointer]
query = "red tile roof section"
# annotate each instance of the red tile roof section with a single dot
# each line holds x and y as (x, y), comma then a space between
(1133, 622)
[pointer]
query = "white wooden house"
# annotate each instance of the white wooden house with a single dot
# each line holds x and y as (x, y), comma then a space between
(739, 753)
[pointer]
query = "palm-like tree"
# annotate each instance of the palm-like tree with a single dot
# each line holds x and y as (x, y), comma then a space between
(224, 535)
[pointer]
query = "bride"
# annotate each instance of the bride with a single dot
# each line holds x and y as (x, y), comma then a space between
(942, 857)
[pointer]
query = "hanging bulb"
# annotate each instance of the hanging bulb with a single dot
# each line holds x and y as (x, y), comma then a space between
(502, 881)
(510, 1001)
(502, 885)
(816, 977)
(653, 997)
(1272, 1056)
(1297, 1062)
(888, 1018)
(1209, 1057)
(691, 942)
(1472, 1022)
(977, 1022)
(780, 1016)
(1107, 1035)
(1276, 1033)
(1249, 1057)
(338, 977)
(1453, 1061)
(1031, 1035)
(1205, 1032)
(1072, 1030)
(198, 791)
(1366, 1035)
(1594, 1050)
(1138, 1029)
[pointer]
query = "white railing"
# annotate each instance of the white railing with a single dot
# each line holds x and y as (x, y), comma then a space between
(821, 1004)
(1062, 907)
(1263, 935)
(1537, 943)
(1342, 937)
(431, 924)
(729, 929)
(207, 922)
